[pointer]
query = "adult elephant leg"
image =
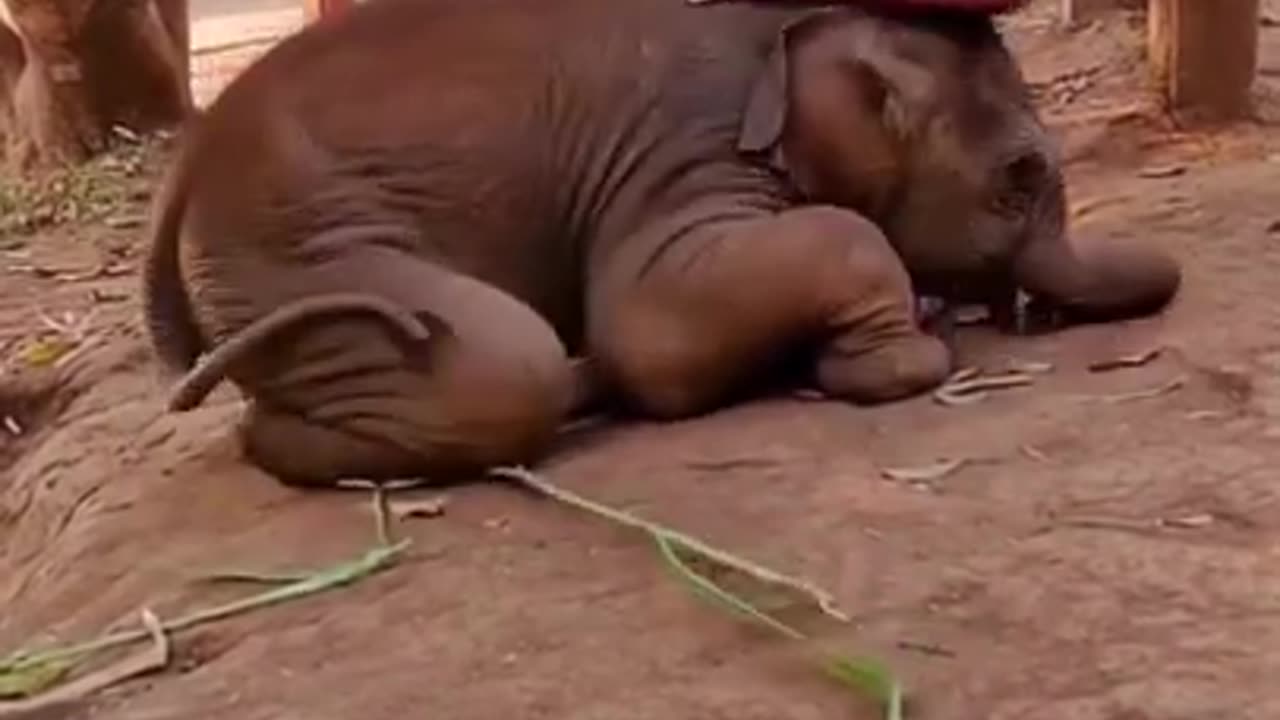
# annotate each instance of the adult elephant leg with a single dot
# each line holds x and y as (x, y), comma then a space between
(692, 308)
(343, 396)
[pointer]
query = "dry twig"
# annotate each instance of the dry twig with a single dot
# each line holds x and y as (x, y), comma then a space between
(1148, 394)
(924, 473)
(970, 387)
(1127, 361)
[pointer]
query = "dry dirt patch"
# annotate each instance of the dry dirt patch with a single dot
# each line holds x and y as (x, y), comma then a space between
(1100, 559)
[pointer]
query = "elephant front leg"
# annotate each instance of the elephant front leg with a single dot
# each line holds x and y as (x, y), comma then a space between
(686, 313)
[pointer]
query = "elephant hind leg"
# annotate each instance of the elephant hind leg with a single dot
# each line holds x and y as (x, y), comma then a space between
(343, 396)
(358, 406)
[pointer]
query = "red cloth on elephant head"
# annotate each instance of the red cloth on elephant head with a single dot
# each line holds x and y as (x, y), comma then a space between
(985, 7)
(981, 7)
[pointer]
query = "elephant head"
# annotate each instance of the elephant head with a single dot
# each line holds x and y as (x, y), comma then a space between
(926, 126)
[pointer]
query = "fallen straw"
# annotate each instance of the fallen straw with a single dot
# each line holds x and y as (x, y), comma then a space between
(971, 388)
(866, 676)
(293, 588)
(344, 574)
(821, 598)
(152, 659)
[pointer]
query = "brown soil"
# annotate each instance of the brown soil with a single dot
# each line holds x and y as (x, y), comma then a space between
(1041, 581)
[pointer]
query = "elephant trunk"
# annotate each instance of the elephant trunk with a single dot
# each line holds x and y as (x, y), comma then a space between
(1096, 281)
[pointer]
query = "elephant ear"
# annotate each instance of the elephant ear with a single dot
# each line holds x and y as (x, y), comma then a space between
(868, 82)
(766, 113)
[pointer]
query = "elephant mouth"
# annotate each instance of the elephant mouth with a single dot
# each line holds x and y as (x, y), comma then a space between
(991, 279)
(1058, 282)
(997, 299)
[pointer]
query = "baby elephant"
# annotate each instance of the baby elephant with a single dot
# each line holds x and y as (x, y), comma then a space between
(393, 231)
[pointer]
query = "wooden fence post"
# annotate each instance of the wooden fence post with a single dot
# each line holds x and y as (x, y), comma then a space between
(1204, 55)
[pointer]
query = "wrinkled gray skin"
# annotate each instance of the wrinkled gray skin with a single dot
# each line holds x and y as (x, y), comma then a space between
(393, 232)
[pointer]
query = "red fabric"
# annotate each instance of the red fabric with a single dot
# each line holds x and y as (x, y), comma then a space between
(984, 7)
(981, 7)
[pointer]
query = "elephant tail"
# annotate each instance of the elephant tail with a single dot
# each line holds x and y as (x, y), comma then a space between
(196, 384)
(175, 339)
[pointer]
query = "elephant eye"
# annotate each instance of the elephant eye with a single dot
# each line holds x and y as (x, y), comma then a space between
(1018, 184)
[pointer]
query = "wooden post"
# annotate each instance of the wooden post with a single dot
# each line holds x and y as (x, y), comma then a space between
(1204, 55)
(325, 9)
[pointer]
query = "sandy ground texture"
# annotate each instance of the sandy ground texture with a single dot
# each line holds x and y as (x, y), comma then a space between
(1111, 553)
(226, 35)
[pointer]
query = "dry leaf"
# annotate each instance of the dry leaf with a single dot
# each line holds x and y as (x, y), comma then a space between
(924, 473)
(1148, 394)
(43, 353)
(1030, 367)
(973, 389)
(1034, 453)
(124, 222)
(1094, 522)
(1162, 171)
(1189, 522)
(1127, 361)
(431, 508)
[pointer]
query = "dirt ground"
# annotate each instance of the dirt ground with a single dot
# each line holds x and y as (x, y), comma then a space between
(1111, 554)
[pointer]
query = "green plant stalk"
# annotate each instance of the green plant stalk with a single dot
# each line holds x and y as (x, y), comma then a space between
(257, 578)
(708, 588)
(371, 562)
(823, 599)
(867, 677)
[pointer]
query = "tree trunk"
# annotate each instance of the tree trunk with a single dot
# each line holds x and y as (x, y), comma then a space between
(83, 66)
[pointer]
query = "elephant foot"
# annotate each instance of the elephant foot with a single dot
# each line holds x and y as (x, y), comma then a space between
(301, 453)
(890, 371)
